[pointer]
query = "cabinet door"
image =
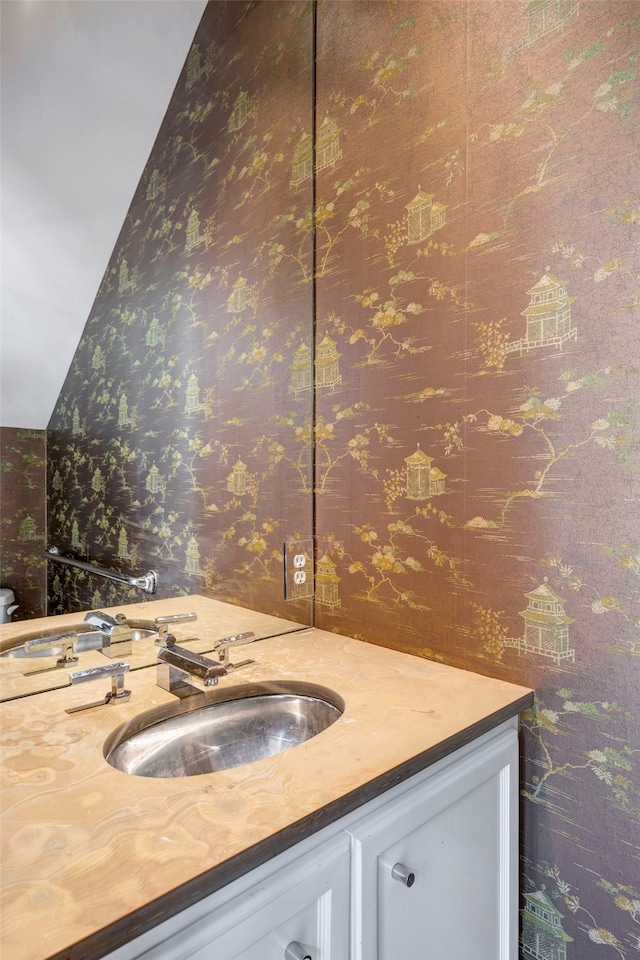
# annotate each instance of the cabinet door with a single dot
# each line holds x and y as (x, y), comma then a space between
(456, 836)
(306, 902)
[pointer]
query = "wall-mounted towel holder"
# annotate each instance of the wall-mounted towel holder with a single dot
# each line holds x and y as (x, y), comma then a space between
(148, 583)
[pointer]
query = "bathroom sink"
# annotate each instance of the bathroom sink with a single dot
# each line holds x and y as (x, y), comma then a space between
(88, 639)
(222, 729)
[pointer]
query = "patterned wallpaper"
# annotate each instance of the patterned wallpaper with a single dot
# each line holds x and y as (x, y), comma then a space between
(477, 481)
(475, 444)
(167, 445)
(23, 519)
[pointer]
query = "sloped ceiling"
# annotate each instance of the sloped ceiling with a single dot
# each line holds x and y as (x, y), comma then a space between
(85, 85)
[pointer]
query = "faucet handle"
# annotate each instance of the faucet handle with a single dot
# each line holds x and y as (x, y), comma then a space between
(222, 646)
(64, 640)
(237, 639)
(115, 671)
(175, 618)
(162, 625)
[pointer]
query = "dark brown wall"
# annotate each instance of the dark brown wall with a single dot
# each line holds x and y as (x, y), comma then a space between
(23, 519)
(477, 465)
(476, 437)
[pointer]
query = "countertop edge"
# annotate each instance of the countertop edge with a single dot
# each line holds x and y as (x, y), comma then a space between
(210, 881)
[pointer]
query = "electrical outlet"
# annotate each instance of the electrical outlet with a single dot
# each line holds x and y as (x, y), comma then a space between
(297, 556)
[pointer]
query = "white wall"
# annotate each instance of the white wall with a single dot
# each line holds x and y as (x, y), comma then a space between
(85, 85)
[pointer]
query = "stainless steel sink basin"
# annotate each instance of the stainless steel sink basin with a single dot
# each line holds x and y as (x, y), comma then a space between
(222, 729)
(89, 639)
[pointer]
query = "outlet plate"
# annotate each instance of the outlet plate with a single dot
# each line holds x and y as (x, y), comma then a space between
(297, 557)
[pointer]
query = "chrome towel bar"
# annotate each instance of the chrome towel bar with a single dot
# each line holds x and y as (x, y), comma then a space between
(148, 583)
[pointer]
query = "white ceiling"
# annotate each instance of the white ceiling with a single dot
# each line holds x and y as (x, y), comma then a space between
(85, 85)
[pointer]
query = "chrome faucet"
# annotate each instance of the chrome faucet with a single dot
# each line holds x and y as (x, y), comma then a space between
(101, 621)
(116, 632)
(178, 668)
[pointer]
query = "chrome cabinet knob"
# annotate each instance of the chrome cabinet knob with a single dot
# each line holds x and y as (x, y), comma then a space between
(295, 951)
(403, 874)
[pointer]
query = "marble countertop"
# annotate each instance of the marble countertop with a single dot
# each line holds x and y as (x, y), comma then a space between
(84, 846)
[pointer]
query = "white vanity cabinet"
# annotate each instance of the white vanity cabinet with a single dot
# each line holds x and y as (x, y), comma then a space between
(434, 871)
(452, 827)
(292, 900)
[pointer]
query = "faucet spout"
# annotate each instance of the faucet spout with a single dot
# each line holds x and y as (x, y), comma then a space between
(116, 632)
(177, 667)
(102, 621)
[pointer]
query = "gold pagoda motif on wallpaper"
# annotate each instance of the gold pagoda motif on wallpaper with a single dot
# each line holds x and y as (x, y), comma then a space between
(237, 299)
(193, 237)
(237, 479)
(326, 364)
(327, 368)
(300, 370)
(546, 16)
(546, 627)
(424, 217)
(423, 479)
(238, 116)
(326, 584)
(542, 935)
(548, 316)
(152, 481)
(123, 545)
(28, 530)
(124, 417)
(327, 152)
(192, 559)
(125, 281)
(546, 631)
(192, 402)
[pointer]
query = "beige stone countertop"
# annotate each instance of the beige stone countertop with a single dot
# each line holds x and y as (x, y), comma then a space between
(216, 619)
(92, 857)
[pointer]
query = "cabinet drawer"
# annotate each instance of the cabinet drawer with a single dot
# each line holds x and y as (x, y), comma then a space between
(306, 901)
